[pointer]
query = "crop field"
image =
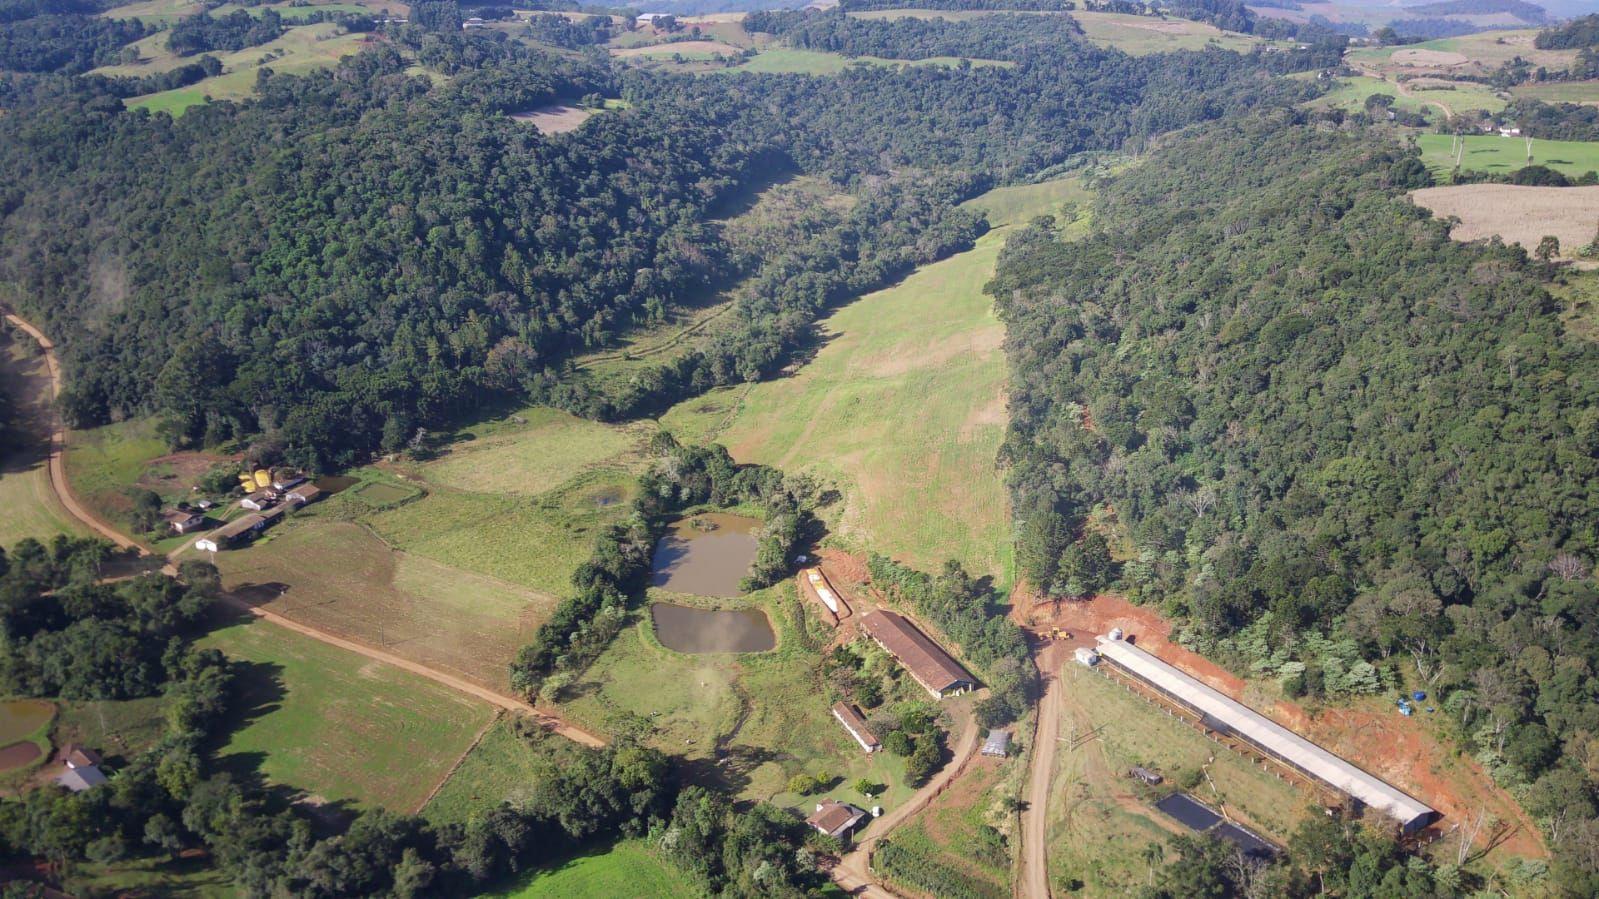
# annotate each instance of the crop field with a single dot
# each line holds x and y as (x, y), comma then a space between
(1503, 155)
(903, 409)
(1472, 54)
(340, 727)
(1100, 820)
(31, 507)
(626, 869)
(1142, 35)
(338, 576)
(1518, 214)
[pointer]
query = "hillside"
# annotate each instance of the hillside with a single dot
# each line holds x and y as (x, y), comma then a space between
(1309, 418)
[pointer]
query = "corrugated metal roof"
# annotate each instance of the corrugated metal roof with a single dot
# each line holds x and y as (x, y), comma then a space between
(1246, 722)
(925, 660)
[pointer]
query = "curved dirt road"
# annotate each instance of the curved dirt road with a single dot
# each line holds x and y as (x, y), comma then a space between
(853, 871)
(1034, 882)
(63, 491)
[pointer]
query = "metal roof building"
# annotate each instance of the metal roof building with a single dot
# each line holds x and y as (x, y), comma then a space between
(1223, 714)
(927, 662)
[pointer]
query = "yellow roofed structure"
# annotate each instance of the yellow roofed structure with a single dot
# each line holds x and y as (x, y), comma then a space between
(263, 478)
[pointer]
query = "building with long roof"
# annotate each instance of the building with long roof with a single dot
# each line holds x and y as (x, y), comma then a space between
(1223, 715)
(927, 662)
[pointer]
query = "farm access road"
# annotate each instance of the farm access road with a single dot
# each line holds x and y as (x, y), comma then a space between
(63, 491)
(1034, 881)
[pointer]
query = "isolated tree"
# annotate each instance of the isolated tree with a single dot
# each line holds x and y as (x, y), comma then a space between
(1548, 248)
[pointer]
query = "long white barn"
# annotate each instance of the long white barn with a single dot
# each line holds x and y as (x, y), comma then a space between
(1223, 714)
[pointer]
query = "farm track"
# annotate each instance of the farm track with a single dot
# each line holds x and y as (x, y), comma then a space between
(63, 491)
(1034, 880)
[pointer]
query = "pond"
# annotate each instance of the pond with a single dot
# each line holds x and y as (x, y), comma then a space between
(686, 629)
(19, 755)
(331, 484)
(706, 555)
(19, 718)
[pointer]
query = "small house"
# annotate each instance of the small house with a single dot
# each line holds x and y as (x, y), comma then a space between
(182, 521)
(304, 494)
(998, 744)
(836, 819)
(76, 756)
(856, 726)
(81, 768)
(225, 536)
(474, 22)
(1147, 776)
(259, 500)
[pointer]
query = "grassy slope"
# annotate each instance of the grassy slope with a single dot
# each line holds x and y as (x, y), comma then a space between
(1142, 35)
(815, 62)
(339, 726)
(30, 505)
(625, 869)
(1560, 91)
(499, 769)
(1502, 155)
(903, 409)
(104, 462)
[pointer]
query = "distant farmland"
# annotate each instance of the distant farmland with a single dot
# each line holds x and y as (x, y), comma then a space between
(1518, 214)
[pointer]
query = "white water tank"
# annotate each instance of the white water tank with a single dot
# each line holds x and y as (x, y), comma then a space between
(1115, 633)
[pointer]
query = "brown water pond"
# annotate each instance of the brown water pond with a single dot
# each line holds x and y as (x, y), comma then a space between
(333, 483)
(686, 629)
(18, 754)
(19, 718)
(706, 555)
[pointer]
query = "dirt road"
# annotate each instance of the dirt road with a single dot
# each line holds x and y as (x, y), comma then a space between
(63, 491)
(1034, 882)
(853, 871)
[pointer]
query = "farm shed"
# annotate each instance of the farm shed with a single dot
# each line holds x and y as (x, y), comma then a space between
(82, 778)
(223, 537)
(856, 725)
(75, 756)
(835, 819)
(1223, 715)
(927, 662)
(285, 480)
(303, 494)
(261, 499)
(1086, 656)
(997, 744)
(182, 522)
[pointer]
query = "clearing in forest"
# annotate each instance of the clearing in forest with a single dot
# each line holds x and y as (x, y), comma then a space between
(337, 726)
(629, 868)
(1142, 35)
(902, 409)
(1522, 215)
(1502, 155)
(1477, 54)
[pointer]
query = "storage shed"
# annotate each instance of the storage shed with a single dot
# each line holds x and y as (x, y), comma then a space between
(927, 662)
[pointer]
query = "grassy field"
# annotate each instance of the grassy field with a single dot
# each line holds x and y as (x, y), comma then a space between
(542, 451)
(789, 60)
(1560, 91)
(115, 727)
(1420, 96)
(184, 879)
(1521, 215)
(299, 50)
(1142, 35)
(955, 838)
(337, 726)
(625, 869)
(501, 768)
(1100, 820)
(1503, 155)
(903, 409)
(104, 462)
(1472, 54)
(31, 507)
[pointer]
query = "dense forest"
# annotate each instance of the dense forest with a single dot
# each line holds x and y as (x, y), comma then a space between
(1576, 34)
(1325, 437)
(380, 254)
(234, 31)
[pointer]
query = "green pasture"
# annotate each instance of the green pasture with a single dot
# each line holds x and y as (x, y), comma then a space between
(531, 452)
(104, 462)
(30, 504)
(903, 409)
(503, 767)
(338, 726)
(1559, 91)
(628, 868)
(1143, 35)
(1503, 155)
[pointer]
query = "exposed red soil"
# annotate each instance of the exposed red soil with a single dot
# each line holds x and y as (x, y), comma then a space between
(1394, 747)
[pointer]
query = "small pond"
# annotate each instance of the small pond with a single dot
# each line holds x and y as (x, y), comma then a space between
(331, 484)
(686, 629)
(19, 718)
(19, 755)
(706, 555)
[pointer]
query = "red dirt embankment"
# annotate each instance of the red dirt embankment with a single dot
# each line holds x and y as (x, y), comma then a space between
(1398, 749)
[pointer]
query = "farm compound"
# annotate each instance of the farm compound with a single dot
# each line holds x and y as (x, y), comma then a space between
(1236, 723)
(926, 661)
(856, 725)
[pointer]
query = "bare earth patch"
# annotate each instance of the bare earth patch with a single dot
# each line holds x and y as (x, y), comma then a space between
(1518, 214)
(557, 119)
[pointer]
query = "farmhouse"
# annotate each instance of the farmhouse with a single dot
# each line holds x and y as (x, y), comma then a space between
(75, 756)
(856, 725)
(997, 744)
(927, 662)
(225, 536)
(835, 819)
(1221, 716)
(82, 768)
(261, 499)
(182, 522)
